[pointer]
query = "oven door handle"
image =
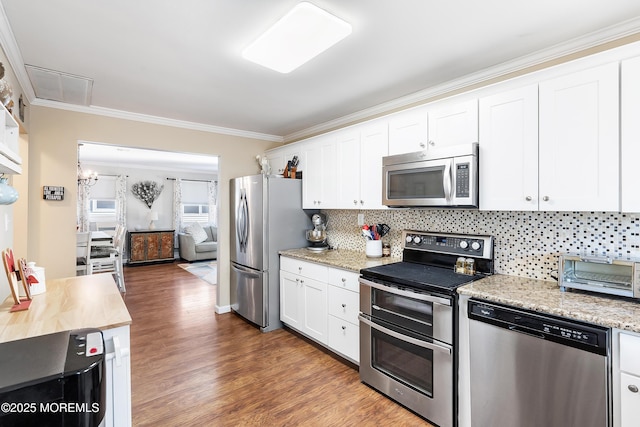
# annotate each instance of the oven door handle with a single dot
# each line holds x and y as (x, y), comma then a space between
(408, 294)
(410, 340)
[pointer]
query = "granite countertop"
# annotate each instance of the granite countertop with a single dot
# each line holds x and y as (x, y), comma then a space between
(545, 297)
(340, 258)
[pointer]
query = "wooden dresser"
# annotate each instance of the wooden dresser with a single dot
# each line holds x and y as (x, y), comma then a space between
(149, 246)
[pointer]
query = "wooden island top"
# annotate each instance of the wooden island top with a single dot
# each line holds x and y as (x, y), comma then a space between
(69, 303)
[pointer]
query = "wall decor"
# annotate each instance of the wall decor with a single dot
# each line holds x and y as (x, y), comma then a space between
(147, 191)
(52, 192)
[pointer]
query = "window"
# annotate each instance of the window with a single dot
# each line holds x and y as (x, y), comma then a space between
(195, 212)
(102, 206)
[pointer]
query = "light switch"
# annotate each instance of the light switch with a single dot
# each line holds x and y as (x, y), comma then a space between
(360, 219)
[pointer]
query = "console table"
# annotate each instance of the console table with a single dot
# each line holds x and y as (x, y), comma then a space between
(150, 246)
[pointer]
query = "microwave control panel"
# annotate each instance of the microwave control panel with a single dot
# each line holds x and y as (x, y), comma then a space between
(462, 180)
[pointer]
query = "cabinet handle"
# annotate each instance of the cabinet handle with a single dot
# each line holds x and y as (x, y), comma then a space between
(633, 388)
(355, 202)
(300, 269)
(344, 279)
(344, 305)
(545, 198)
(344, 327)
(362, 202)
(432, 143)
(422, 145)
(301, 282)
(528, 198)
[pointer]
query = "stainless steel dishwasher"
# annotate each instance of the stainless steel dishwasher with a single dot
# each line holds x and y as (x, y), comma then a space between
(532, 370)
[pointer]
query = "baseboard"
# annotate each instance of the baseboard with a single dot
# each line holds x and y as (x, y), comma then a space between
(222, 309)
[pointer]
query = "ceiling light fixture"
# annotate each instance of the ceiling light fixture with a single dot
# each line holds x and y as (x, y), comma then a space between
(300, 35)
(85, 177)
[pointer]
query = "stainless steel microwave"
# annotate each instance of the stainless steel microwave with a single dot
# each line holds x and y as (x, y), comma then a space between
(442, 177)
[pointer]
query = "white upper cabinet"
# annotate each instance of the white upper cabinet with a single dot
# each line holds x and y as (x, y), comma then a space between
(408, 131)
(349, 169)
(509, 150)
(320, 183)
(453, 124)
(578, 145)
(630, 135)
(279, 157)
(360, 152)
(10, 161)
(438, 125)
(374, 142)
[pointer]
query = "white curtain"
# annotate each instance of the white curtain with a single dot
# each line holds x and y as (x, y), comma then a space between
(177, 204)
(212, 190)
(121, 200)
(82, 210)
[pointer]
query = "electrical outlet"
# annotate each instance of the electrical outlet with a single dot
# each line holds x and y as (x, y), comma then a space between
(360, 219)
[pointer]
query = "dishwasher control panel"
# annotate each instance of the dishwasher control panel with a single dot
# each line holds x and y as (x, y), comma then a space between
(541, 326)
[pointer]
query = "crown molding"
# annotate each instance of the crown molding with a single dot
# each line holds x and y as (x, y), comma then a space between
(10, 47)
(553, 53)
(126, 115)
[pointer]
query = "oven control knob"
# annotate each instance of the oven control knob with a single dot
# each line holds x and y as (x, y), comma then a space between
(417, 240)
(464, 244)
(409, 239)
(475, 246)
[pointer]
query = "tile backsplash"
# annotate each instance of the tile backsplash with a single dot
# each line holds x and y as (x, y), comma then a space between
(526, 243)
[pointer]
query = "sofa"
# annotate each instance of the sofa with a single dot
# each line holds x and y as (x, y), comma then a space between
(190, 250)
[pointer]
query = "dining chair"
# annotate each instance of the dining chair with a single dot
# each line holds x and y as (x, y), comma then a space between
(111, 261)
(83, 253)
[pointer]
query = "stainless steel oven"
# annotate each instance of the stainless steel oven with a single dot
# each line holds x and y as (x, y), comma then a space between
(406, 348)
(408, 321)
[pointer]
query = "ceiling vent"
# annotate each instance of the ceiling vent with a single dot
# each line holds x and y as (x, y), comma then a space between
(58, 86)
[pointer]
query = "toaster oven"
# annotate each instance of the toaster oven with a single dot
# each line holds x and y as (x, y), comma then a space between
(614, 276)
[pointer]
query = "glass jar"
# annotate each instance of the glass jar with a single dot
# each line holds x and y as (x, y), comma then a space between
(469, 266)
(460, 263)
(386, 249)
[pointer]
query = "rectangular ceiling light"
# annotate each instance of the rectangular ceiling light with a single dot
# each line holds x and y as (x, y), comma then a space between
(300, 35)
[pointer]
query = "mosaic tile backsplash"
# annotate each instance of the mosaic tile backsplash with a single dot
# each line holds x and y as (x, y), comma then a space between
(527, 244)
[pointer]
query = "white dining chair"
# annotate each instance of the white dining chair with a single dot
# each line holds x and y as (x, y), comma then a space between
(83, 253)
(110, 261)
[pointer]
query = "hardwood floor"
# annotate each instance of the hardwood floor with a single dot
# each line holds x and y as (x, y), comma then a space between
(190, 366)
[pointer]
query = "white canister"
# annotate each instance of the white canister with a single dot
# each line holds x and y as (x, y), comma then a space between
(374, 248)
(38, 285)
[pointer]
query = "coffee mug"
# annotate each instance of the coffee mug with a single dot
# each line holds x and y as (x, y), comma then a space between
(374, 248)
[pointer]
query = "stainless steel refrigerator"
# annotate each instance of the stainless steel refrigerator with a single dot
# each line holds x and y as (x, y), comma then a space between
(266, 217)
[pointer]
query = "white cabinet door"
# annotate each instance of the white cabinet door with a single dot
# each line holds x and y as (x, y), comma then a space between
(453, 124)
(320, 183)
(344, 337)
(279, 157)
(408, 131)
(374, 143)
(290, 299)
(578, 145)
(509, 150)
(629, 400)
(315, 309)
(349, 169)
(118, 377)
(630, 135)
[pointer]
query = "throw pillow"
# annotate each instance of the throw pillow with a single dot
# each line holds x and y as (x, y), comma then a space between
(197, 232)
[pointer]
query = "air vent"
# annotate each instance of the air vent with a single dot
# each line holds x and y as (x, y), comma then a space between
(59, 86)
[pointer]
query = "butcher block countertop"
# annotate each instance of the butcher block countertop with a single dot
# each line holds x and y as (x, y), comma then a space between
(69, 303)
(545, 297)
(340, 258)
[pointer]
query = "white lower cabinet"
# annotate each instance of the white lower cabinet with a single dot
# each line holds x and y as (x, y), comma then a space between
(626, 378)
(118, 376)
(321, 303)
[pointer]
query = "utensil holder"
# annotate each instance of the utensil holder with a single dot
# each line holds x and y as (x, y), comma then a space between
(374, 248)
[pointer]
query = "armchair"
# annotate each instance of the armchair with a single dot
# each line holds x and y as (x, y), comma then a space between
(191, 251)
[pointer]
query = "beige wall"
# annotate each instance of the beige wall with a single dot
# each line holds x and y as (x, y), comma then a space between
(53, 136)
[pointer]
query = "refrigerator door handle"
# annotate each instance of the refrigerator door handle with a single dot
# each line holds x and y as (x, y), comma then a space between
(245, 272)
(240, 216)
(246, 221)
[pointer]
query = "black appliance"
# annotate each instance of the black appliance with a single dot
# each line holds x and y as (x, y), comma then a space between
(53, 380)
(409, 320)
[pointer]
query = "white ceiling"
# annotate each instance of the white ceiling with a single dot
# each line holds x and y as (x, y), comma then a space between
(182, 60)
